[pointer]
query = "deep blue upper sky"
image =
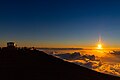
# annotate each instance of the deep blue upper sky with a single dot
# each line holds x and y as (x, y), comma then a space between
(60, 23)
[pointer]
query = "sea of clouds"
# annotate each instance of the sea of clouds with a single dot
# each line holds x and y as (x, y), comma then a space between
(108, 63)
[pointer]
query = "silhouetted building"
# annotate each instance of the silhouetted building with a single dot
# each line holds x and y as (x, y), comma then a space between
(10, 44)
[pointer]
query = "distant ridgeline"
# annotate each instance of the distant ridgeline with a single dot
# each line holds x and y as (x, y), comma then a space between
(61, 48)
(27, 64)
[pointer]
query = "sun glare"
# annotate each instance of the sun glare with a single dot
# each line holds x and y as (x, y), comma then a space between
(99, 46)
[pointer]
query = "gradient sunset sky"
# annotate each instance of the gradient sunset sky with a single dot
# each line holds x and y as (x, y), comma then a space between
(60, 23)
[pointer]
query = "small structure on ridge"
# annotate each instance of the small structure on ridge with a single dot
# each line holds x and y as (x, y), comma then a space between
(11, 44)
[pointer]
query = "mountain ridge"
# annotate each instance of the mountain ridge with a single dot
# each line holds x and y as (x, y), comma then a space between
(26, 64)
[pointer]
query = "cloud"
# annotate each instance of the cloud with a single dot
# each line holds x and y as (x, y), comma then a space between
(75, 56)
(108, 64)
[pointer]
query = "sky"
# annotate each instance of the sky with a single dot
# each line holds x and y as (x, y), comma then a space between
(60, 23)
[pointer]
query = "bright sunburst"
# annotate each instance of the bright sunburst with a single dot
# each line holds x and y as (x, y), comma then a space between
(99, 46)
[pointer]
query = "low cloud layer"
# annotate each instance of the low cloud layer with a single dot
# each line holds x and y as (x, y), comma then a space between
(108, 64)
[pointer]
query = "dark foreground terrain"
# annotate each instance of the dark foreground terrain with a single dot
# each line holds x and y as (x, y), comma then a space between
(26, 64)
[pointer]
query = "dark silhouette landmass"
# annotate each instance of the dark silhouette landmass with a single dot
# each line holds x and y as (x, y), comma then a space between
(26, 64)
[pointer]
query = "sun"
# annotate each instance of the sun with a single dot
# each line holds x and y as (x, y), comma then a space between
(99, 46)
